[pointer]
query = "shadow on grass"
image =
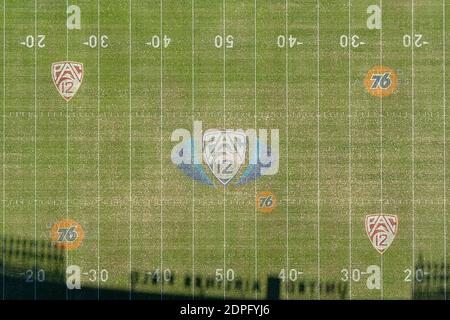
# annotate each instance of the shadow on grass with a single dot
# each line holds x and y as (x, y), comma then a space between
(431, 280)
(32, 269)
(36, 269)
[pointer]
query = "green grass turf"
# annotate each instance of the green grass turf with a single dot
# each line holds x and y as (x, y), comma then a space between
(135, 225)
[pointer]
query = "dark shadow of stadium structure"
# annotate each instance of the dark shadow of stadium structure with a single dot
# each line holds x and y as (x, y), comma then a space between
(36, 269)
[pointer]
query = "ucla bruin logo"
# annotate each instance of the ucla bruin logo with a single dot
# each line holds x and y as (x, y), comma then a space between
(230, 156)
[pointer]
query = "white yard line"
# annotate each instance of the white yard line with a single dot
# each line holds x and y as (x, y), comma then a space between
(98, 152)
(413, 153)
(224, 128)
(193, 157)
(35, 151)
(445, 144)
(350, 149)
(67, 149)
(381, 152)
(3, 153)
(160, 146)
(130, 145)
(318, 149)
(255, 125)
(381, 121)
(286, 30)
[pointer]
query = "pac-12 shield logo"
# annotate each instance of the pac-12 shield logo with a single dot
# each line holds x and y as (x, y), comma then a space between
(67, 77)
(228, 156)
(224, 153)
(381, 230)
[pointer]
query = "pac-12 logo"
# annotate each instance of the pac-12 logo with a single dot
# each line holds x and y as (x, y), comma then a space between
(229, 155)
(381, 230)
(67, 77)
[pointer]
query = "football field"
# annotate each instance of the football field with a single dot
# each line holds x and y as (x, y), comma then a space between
(224, 149)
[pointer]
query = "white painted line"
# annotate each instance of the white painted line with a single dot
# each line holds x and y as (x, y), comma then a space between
(3, 153)
(35, 151)
(286, 31)
(98, 152)
(255, 125)
(161, 148)
(444, 85)
(413, 174)
(193, 119)
(381, 154)
(67, 149)
(224, 127)
(130, 144)
(350, 148)
(318, 149)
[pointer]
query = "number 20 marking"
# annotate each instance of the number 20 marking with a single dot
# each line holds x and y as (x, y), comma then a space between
(30, 41)
(416, 40)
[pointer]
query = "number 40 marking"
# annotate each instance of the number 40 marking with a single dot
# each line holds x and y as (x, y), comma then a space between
(155, 42)
(290, 41)
(289, 275)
